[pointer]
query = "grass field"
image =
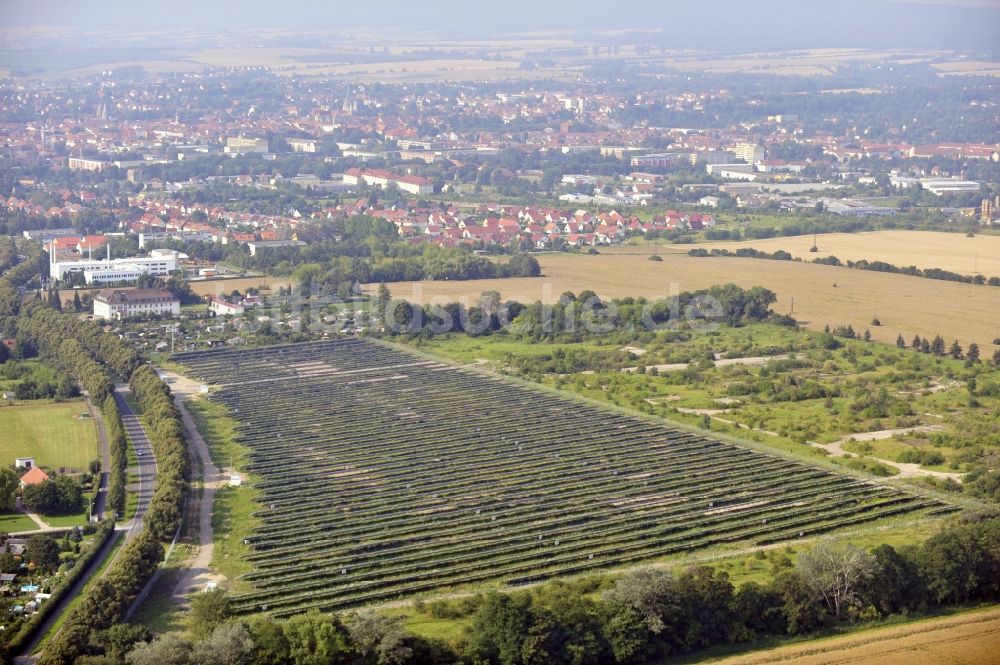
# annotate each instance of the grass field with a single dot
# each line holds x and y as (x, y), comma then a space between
(924, 249)
(11, 522)
(822, 294)
(65, 521)
(780, 418)
(158, 611)
(970, 638)
(54, 434)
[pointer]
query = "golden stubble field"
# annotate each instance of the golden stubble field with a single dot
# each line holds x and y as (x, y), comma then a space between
(924, 249)
(822, 294)
(967, 639)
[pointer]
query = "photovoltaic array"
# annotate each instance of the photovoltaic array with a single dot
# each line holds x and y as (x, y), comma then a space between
(384, 474)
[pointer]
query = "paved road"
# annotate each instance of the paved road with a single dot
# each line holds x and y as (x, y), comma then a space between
(144, 453)
(105, 449)
(147, 480)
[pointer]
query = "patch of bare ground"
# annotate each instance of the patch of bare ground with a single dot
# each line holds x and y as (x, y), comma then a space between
(966, 639)
(822, 294)
(906, 470)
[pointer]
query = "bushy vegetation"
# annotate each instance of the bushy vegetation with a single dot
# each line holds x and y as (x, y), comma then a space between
(56, 496)
(33, 380)
(642, 616)
(575, 318)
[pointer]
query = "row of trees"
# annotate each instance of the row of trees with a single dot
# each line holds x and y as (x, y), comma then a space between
(576, 318)
(644, 616)
(166, 434)
(937, 347)
(93, 356)
(115, 428)
(929, 273)
(876, 266)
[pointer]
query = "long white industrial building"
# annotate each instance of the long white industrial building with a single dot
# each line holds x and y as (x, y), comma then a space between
(109, 271)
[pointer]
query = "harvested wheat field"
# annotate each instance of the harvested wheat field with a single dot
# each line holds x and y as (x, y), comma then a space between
(822, 294)
(968, 639)
(924, 249)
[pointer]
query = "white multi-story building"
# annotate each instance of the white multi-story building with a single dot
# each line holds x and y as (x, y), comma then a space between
(413, 184)
(118, 304)
(104, 271)
(750, 153)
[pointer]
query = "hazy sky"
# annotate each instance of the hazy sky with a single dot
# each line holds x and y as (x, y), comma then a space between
(714, 23)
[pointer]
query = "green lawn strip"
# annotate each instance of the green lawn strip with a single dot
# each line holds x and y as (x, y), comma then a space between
(418, 623)
(66, 521)
(14, 522)
(219, 431)
(232, 521)
(158, 611)
(131, 506)
(232, 518)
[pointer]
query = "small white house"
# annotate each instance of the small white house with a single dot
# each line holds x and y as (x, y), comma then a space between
(235, 480)
(24, 462)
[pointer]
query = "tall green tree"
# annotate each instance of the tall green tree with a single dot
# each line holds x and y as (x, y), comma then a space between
(937, 346)
(54, 299)
(316, 639)
(43, 551)
(209, 609)
(836, 571)
(9, 484)
(972, 353)
(499, 629)
(228, 644)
